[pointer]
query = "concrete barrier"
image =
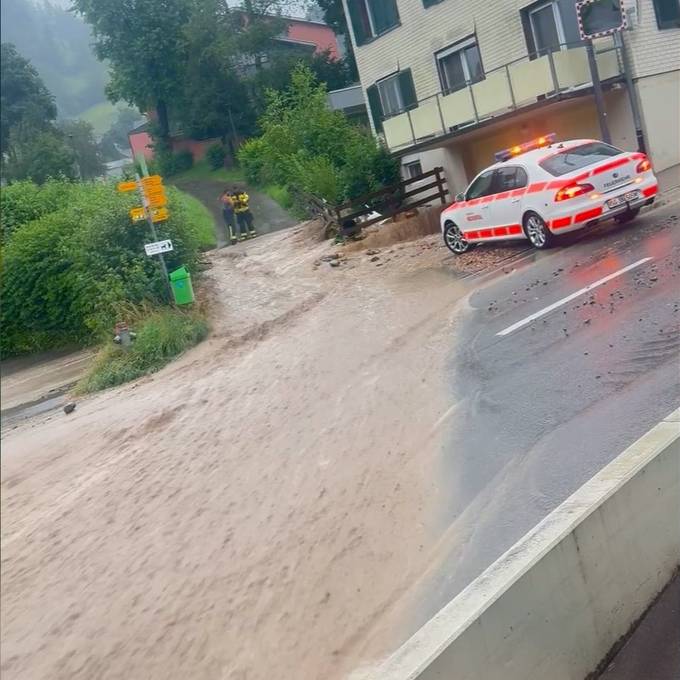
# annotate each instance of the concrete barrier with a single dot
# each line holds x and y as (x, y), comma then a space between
(554, 605)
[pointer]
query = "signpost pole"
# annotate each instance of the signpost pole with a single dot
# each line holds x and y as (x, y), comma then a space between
(632, 94)
(152, 226)
(597, 91)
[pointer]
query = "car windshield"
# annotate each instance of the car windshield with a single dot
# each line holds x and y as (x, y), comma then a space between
(578, 157)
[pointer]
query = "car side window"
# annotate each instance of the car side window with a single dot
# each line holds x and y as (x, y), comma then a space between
(509, 178)
(481, 186)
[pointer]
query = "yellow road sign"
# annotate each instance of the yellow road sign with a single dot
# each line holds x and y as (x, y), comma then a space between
(156, 197)
(157, 201)
(152, 181)
(137, 214)
(159, 214)
(127, 186)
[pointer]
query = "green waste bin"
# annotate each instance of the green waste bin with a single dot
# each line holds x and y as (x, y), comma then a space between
(180, 281)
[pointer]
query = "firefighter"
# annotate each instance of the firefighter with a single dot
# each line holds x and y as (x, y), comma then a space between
(244, 217)
(227, 203)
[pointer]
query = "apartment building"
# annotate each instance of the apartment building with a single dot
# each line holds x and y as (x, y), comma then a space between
(449, 82)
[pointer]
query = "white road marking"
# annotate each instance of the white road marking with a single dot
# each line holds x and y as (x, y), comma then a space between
(569, 298)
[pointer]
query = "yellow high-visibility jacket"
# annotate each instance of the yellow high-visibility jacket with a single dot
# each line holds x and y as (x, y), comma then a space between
(241, 203)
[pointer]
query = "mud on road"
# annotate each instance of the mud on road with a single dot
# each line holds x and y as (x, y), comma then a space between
(257, 509)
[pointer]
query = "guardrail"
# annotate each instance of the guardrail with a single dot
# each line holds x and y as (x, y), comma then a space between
(507, 88)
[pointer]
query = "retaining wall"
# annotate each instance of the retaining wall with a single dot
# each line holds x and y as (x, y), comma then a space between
(553, 606)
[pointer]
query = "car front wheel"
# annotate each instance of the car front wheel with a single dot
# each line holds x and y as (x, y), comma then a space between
(454, 239)
(537, 231)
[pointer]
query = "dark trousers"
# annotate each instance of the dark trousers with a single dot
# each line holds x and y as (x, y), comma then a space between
(245, 222)
(230, 224)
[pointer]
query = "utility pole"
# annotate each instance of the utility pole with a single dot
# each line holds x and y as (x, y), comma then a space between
(597, 91)
(620, 42)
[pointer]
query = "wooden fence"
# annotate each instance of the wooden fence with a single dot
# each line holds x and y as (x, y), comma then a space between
(381, 204)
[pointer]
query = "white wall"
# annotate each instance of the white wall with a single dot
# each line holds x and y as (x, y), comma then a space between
(554, 605)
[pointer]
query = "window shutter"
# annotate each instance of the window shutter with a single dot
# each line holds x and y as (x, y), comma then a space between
(357, 21)
(375, 106)
(408, 90)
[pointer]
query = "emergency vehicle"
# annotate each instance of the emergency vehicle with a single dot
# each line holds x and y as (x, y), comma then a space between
(544, 188)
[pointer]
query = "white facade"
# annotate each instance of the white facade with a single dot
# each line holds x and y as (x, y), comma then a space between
(517, 95)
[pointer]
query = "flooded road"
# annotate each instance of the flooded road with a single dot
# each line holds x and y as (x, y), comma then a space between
(291, 497)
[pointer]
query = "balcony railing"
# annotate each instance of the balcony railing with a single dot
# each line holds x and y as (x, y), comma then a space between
(510, 87)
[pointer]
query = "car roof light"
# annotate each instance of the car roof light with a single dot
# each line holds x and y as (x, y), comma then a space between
(544, 140)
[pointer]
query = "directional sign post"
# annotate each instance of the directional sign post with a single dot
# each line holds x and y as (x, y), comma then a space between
(149, 219)
(152, 210)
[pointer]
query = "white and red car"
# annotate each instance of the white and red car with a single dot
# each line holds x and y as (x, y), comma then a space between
(544, 188)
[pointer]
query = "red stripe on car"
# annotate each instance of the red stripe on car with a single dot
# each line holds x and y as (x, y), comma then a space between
(537, 186)
(502, 195)
(560, 223)
(610, 166)
(588, 214)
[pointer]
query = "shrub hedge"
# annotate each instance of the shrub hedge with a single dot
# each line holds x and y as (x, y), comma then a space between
(72, 257)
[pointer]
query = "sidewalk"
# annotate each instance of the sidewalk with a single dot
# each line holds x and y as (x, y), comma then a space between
(653, 651)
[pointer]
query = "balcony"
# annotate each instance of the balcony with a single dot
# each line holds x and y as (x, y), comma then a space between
(510, 87)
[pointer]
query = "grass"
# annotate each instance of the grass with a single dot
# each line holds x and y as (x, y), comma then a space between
(100, 116)
(202, 171)
(203, 219)
(161, 336)
(279, 194)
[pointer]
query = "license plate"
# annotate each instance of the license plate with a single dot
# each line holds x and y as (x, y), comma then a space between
(625, 198)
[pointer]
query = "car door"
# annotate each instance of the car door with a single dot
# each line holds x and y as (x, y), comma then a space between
(505, 212)
(475, 212)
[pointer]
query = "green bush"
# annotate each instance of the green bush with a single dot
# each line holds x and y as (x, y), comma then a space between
(252, 158)
(67, 273)
(215, 155)
(306, 146)
(161, 336)
(167, 163)
(183, 160)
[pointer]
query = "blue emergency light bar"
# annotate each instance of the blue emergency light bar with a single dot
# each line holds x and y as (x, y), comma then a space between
(537, 143)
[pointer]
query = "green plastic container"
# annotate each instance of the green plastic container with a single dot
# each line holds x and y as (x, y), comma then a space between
(180, 281)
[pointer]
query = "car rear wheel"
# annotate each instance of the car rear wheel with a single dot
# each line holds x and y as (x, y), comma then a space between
(627, 216)
(537, 231)
(454, 239)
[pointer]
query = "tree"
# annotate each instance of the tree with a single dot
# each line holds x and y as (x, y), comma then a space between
(24, 99)
(145, 44)
(40, 156)
(307, 146)
(79, 136)
(31, 145)
(334, 16)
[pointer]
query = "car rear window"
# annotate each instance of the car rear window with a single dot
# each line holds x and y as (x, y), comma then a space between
(578, 157)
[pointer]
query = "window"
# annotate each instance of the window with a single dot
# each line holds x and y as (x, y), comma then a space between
(578, 157)
(667, 13)
(543, 28)
(372, 18)
(390, 96)
(412, 169)
(460, 65)
(509, 178)
(481, 186)
(429, 3)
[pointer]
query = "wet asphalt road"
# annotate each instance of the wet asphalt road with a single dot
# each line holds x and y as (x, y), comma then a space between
(540, 410)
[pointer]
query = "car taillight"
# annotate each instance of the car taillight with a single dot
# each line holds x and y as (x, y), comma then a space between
(643, 165)
(573, 190)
